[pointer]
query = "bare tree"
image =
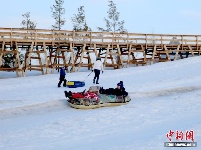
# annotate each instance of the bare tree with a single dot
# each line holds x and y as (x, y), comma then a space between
(27, 23)
(112, 23)
(57, 12)
(79, 20)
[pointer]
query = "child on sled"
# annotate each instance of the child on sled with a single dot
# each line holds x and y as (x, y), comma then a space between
(76, 95)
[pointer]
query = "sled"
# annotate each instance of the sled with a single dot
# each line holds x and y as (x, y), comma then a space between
(85, 104)
(104, 100)
(75, 84)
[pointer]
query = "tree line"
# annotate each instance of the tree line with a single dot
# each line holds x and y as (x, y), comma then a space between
(112, 22)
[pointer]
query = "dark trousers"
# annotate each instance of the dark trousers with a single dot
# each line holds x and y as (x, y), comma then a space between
(62, 79)
(97, 73)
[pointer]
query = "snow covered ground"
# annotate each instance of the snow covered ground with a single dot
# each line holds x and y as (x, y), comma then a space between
(34, 113)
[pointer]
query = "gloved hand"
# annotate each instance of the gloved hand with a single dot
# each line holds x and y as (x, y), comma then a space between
(102, 71)
(92, 70)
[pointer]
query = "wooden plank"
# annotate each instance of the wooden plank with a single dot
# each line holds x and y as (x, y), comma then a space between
(37, 69)
(39, 66)
(34, 57)
(8, 69)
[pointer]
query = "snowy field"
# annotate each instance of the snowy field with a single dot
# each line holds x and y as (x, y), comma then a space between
(34, 114)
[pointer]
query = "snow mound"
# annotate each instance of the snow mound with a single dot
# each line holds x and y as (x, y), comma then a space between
(34, 108)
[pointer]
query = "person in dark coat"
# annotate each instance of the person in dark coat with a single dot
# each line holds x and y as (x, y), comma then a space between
(122, 85)
(120, 91)
(62, 77)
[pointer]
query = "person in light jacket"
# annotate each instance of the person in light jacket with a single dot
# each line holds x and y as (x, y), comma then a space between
(98, 66)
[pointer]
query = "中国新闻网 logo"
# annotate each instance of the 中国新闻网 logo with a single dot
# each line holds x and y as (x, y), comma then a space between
(180, 139)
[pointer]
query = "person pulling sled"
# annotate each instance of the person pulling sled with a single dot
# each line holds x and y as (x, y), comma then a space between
(62, 77)
(98, 66)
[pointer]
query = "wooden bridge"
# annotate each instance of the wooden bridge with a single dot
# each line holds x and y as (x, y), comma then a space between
(46, 50)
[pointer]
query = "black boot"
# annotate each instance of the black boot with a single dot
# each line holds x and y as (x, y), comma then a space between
(70, 93)
(59, 84)
(93, 80)
(97, 81)
(64, 84)
(101, 90)
(66, 94)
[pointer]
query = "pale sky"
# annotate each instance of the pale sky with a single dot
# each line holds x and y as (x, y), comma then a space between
(140, 16)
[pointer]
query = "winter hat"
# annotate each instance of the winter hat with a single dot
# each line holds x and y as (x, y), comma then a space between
(118, 84)
(121, 82)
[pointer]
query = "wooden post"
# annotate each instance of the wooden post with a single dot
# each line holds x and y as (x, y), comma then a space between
(36, 37)
(107, 52)
(146, 41)
(17, 59)
(177, 51)
(161, 40)
(153, 55)
(190, 48)
(127, 41)
(120, 57)
(196, 42)
(82, 55)
(46, 60)
(182, 43)
(53, 38)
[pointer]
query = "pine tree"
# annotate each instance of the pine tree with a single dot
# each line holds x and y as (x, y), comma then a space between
(8, 58)
(57, 12)
(79, 20)
(112, 23)
(27, 23)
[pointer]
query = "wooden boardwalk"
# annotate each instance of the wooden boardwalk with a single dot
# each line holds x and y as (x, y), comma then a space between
(46, 50)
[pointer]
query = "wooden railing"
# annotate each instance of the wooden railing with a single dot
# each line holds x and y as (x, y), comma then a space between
(54, 36)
